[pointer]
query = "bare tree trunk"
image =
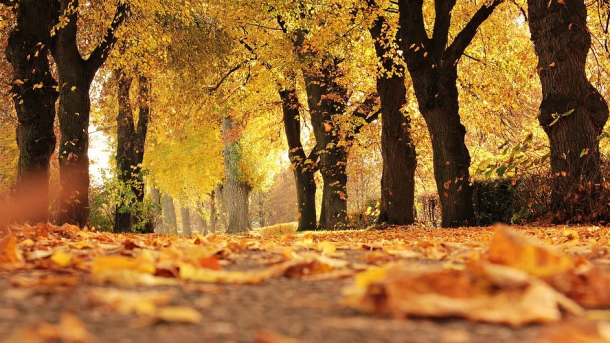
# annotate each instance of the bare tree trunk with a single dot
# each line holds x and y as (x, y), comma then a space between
(75, 77)
(432, 64)
(326, 97)
(304, 166)
(397, 148)
(186, 221)
(202, 226)
(572, 113)
(213, 212)
(236, 192)
(157, 221)
(169, 216)
(34, 94)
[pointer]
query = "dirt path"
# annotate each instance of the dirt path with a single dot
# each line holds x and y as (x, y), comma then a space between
(308, 311)
(50, 294)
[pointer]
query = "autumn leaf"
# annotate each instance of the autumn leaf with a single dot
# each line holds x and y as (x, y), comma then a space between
(486, 292)
(512, 249)
(9, 251)
(179, 314)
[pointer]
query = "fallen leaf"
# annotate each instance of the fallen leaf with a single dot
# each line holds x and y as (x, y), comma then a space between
(512, 249)
(126, 302)
(484, 292)
(9, 251)
(61, 258)
(181, 314)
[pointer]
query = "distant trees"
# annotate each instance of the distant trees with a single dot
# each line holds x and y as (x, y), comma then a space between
(311, 77)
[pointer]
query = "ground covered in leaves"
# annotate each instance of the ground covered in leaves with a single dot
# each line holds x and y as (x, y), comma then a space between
(499, 284)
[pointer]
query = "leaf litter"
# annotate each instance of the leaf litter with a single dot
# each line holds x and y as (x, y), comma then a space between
(513, 276)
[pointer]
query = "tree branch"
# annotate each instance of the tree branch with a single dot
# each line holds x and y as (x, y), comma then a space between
(100, 53)
(412, 24)
(366, 107)
(235, 68)
(463, 39)
(442, 22)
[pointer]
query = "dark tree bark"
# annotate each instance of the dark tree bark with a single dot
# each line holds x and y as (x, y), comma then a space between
(213, 212)
(432, 64)
(397, 148)
(303, 166)
(327, 98)
(562, 41)
(34, 94)
(185, 216)
(236, 192)
(221, 205)
(75, 77)
(169, 216)
(131, 141)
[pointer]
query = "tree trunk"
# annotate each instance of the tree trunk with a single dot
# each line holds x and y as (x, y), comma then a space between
(202, 226)
(125, 148)
(221, 206)
(397, 148)
(157, 221)
(236, 192)
(34, 95)
(186, 221)
(326, 98)
(169, 216)
(572, 113)
(130, 147)
(75, 77)
(432, 63)
(74, 106)
(451, 158)
(213, 213)
(303, 166)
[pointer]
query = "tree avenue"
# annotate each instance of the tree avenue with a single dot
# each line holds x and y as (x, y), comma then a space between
(374, 112)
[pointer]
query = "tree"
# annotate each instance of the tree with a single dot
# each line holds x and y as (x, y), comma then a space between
(398, 149)
(303, 165)
(131, 139)
(75, 77)
(170, 225)
(432, 64)
(236, 190)
(185, 217)
(572, 112)
(34, 92)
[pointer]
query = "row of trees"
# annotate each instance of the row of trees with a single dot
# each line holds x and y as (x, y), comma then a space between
(209, 83)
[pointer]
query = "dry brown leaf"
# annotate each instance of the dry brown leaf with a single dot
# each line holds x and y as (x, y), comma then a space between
(104, 263)
(575, 332)
(486, 292)
(588, 287)
(307, 264)
(9, 251)
(131, 278)
(179, 314)
(126, 302)
(512, 249)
